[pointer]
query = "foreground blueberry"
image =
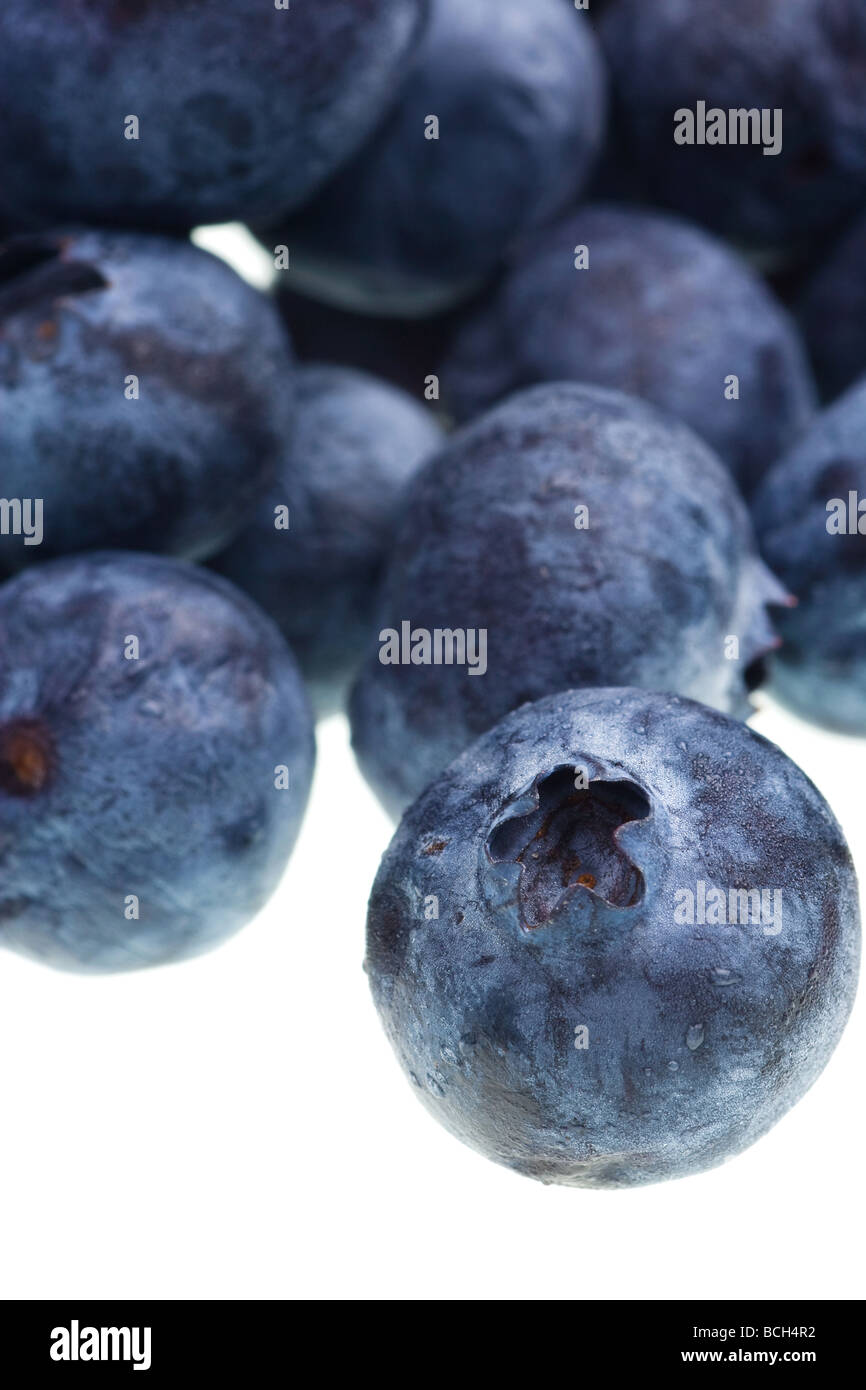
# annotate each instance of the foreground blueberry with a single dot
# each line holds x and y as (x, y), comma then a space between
(413, 223)
(810, 519)
(160, 114)
(313, 553)
(572, 537)
(833, 313)
(145, 394)
(662, 311)
(795, 65)
(156, 750)
(616, 941)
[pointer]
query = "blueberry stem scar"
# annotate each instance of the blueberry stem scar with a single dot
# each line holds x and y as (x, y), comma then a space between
(27, 757)
(569, 840)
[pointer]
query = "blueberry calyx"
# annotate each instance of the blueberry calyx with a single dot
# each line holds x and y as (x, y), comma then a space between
(568, 840)
(27, 757)
(33, 271)
(761, 598)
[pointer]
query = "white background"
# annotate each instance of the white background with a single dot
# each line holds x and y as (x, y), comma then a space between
(236, 1127)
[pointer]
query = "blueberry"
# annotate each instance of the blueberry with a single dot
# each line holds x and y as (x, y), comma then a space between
(833, 313)
(145, 709)
(164, 114)
(616, 941)
(145, 393)
(802, 58)
(413, 223)
(314, 568)
(810, 519)
(572, 537)
(663, 311)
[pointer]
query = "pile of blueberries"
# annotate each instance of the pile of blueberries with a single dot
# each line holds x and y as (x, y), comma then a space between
(549, 442)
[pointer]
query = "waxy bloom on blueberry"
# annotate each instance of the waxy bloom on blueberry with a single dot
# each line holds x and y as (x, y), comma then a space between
(790, 71)
(165, 114)
(314, 551)
(571, 537)
(146, 392)
(810, 520)
(495, 130)
(156, 751)
(616, 940)
(642, 302)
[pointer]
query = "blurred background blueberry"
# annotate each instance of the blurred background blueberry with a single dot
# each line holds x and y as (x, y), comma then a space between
(563, 1011)
(413, 224)
(803, 57)
(147, 770)
(810, 519)
(146, 392)
(833, 312)
(661, 310)
(242, 110)
(313, 553)
(595, 542)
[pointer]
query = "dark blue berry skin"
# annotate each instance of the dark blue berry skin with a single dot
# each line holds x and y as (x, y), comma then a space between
(243, 109)
(805, 57)
(411, 225)
(820, 671)
(153, 777)
(176, 470)
(556, 912)
(664, 311)
(356, 443)
(646, 595)
(832, 312)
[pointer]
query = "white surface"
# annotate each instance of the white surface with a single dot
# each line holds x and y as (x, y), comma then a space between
(237, 1127)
